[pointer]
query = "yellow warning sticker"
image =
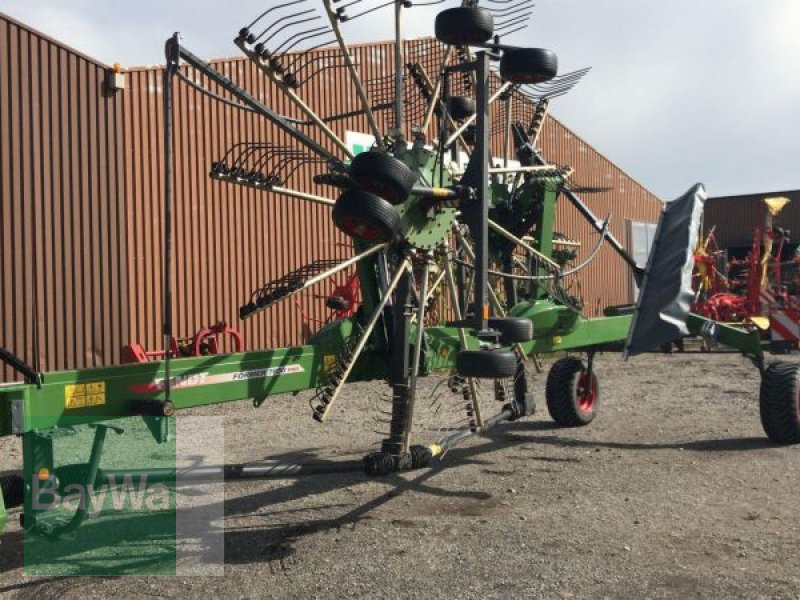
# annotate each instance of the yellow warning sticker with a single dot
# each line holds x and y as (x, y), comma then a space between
(81, 395)
(328, 363)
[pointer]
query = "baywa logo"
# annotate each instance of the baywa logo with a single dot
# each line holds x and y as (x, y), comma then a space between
(127, 494)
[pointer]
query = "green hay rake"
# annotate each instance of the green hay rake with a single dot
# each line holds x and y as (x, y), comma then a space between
(483, 234)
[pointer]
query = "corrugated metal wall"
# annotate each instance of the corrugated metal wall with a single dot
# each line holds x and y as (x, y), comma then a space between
(734, 218)
(82, 214)
(63, 271)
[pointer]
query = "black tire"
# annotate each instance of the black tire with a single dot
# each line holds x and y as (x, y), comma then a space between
(512, 329)
(486, 364)
(779, 403)
(567, 402)
(383, 175)
(528, 65)
(365, 216)
(464, 26)
(461, 107)
(12, 487)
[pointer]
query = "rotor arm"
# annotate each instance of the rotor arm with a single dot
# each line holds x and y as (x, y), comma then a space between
(528, 155)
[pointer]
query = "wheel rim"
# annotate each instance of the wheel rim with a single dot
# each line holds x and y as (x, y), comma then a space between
(379, 188)
(360, 229)
(587, 393)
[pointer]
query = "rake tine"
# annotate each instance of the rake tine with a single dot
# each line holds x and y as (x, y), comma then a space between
(300, 37)
(303, 55)
(242, 157)
(232, 149)
(279, 21)
(511, 19)
(348, 5)
(323, 68)
(572, 75)
(522, 4)
(513, 31)
(505, 26)
(366, 12)
(554, 88)
(512, 10)
(274, 8)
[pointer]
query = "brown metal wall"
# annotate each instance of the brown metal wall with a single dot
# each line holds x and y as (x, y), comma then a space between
(88, 202)
(63, 278)
(734, 218)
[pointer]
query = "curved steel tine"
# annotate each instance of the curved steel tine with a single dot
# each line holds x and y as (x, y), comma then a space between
(309, 34)
(283, 161)
(501, 28)
(268, 159)
(262, 162)
(310, 61)
(343, 6)
(277, 22)
(305, 52)
(368, 11)
(522, 3)
(510, 21)
(280, 47)
(572, 74)
(555, 83)
(230, 150)
(511, 10)
(322, 69)
(551, 95)
(300, 163)
(546, 86)
(274, 8)
(546, 89)
(241, 158)
(256, 157)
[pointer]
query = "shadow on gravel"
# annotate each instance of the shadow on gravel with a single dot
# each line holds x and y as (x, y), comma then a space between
(714, 445)
(276, 542)
(11, 552)
(50, 587)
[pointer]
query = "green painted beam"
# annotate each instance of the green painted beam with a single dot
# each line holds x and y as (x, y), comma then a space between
(747, 342)
(70, 398)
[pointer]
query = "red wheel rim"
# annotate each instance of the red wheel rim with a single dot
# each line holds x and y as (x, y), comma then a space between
(587, 393)
(357, 228)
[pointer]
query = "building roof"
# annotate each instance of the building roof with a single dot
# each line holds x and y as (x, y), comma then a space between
(756, 196)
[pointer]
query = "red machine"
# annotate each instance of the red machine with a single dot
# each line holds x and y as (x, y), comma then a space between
(342, 301)
(759, 295)
(203, 343)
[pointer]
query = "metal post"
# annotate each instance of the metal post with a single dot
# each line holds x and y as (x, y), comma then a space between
(481, 220)
(173, 59)
(418, 341)
(399, 367)
(399, 68)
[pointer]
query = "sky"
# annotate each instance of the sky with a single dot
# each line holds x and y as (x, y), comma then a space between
(680, 92)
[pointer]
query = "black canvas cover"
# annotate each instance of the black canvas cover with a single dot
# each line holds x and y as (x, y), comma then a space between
(666, 292)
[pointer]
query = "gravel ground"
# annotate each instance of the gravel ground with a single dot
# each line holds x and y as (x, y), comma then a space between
(672, 492)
